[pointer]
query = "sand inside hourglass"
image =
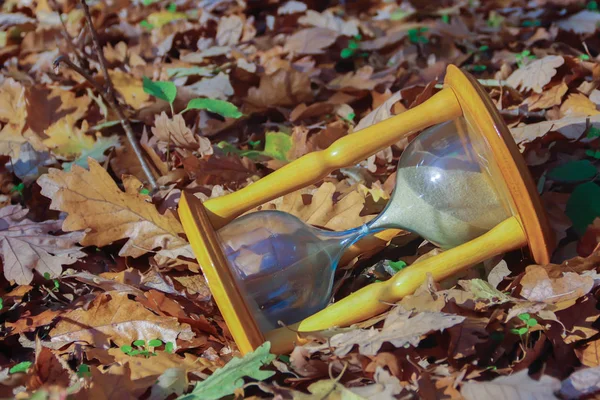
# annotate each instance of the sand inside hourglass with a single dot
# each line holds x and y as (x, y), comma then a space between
(447, 207)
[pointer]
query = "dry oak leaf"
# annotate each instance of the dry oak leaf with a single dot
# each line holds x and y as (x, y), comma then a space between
(173, 130)
(548, 98)
(310, 41)
(112, 316)
(65, 139)
(571, 128)
(585, 21)
(590, 355)
(344, 214)
(538, 286)
(26, 245)
(361, 79)
(518, 386)
(400, 328)
(535, 75)
(229, 30)
(578, 105)
(95, 203)
(13, 114)
(282, 88)
(130, 88)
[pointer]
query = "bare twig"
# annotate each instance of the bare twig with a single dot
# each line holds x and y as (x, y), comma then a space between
(108, 94)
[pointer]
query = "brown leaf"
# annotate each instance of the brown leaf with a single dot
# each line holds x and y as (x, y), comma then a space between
(572, 128)
(26, 246)
(130, 88)
(362, 79)
(112, 316)
(538, 286)
(29, 323)
(578, 105)
(535, 75)
(381, 113)
(218, 87)
(590, 356)
(400, 328)
(229, 30)
(282, 88)
(310, 41)
(585, 21)
(518, 386)
(13, 112)
(173, 130)
(326, 19)
(548, 98)
(95, 203)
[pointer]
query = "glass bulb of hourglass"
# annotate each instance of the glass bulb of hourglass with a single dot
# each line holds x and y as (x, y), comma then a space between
(446, 190)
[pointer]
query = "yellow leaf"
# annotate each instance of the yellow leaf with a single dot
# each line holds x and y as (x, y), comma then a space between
(130, 88)
(578, 105)
(160, 18)
(13, 113)
(67, 140)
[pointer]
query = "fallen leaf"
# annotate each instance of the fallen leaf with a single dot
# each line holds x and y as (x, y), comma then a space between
(381, 113)
(229, 30)
(26, 246)
(226, 380)
(66, 140)
(498, 273)
(291, 7)
(112, 316)
(282, 88)
(30, 163)
(584, 21)
(548, 98)
(578, 105)
(174, 130)
(516, 386)
(13, 113)
(171, 381)
(590, 356)
(362, 79)
(326, 19)
(29, 323)
(538, 286)
(536, 74)
(400, 328)
(310, 41)
(217, 87)
(572, 128)
(583, 206)
(90, 196)
(100, 146)
(130, 88)
(581, 383)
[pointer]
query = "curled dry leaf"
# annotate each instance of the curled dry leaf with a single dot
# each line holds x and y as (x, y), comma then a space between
(362, 79)
(571, 127)
(95, 203)
(538, 286)
(535, 75)
(548, 98)
(26, 246)
(112, 316)
(326, 19)
(173, 130)
(516, 386)
(585, 21)
(282, 88)
(229, 30)
(400, 328)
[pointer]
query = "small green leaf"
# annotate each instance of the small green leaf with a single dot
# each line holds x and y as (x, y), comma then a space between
(593, 153)
(20, 367)
(135, 353)
(573, 171)
(583, 57)
(169, 347)
(83, 370)
(226, 380)
(221, 107)
(346, 53)
(277, 145)
(164, 90)
(592, 6)
(484, 48)
(524, 317)
(126, 349)
(523, 330)
(47, 275)
(145, 191)
(532, 322)
(172, 7)
(353, 44)
(593, 132)
(479, 68)
(56, 285)
(148, 2)
(18, 188)
(139, 343)
(1, 303)
(155, 343)
(446, 18)
(146, 24)
(584, 206)
(254, 144)
(397, 265)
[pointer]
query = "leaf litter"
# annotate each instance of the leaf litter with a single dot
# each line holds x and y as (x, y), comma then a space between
(101, 296)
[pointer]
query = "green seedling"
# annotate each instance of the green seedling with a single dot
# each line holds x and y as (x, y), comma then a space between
(592, 6)
(593, 132)
(524, 57)
(18, 189)
(172, 7)
(494, 20)
(146, 25)
(352, 49)
(583, 57)
(55, 282)
(164, 90)
(254, 143)
(221, 107)
(593, 153)
(416, 35)
(1, 303)
(529, 322)
(446, 18)
(478, 68)
(144, 191)
(20, 367)
(397, 265)
(141, 348)
(83, 371)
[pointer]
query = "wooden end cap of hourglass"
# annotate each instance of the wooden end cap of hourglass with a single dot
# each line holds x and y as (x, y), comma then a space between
(480, 112)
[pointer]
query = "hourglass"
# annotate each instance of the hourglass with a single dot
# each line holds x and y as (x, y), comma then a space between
(461, 184)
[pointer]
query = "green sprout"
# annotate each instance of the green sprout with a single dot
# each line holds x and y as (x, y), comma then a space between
(144, 191)
(18, 189)
(84, 370)
(20, 367)
(478, 68)
(352, 49)
(494, 20)
(592, 6)
(172, 7)
(55, 282)
(147, 25)
(593, 153)
(529, 323)
(397, 265)
(1, 303)
(593, 132)
(483, 48)
(141, 348)
(523, 57)
(416, 35)
(446, 18)
(584, 57)
(254, 143)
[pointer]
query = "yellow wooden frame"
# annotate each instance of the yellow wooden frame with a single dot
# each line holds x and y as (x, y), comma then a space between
(461, 96)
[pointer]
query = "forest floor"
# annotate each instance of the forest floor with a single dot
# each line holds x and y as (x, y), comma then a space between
(101, 296)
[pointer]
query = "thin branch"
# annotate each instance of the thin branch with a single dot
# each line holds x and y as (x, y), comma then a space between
(108, 94)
